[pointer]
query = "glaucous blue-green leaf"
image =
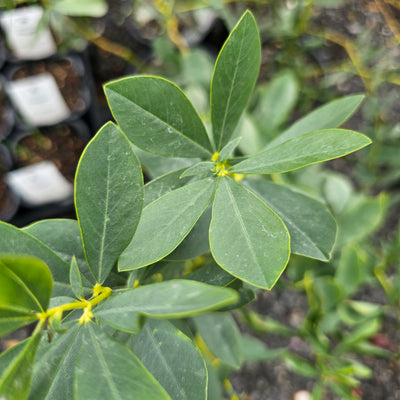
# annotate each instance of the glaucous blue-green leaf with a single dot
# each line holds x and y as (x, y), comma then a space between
(53, 374)
(309, 148)
(16, 366)
(75, 279)
(176, 298)
(165, 223)
(337, 190)
(16, 241)
(235, 74)
(196, 242)
(328, 116)
(108, 369)
(108, 198)
(78, 8)
(63, 236)
(247, 238)
(221, 335)
(157, 117)
(311, 226)
(164, 184)
(173, 359)
(201, 167)
(275, 102)
(361, 218)
(228, 149)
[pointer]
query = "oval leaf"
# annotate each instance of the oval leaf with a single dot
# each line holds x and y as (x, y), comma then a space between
(235, 75)
(172, 359)
(78, 8)
(157, 117)
(170, 299)
(165, 223)
(108, 198)
(310, 148)
(247, 238)
(311, 226)
(123, 376)
(328, 116)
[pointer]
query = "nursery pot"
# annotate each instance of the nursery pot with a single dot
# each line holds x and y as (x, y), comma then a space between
(46, 162)
(7, 117)
(48, 92)
(9, 201)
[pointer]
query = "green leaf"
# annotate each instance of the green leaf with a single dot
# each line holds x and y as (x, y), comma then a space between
(177, 298)
(165, 223)
(157, 117)
(256, 350)
(196, 242)
(361, 218)
(211, 274)
(349, 271)
(26, 284)
(221, 335)
(16, 241)
(76, 279)
(228, 149)
(108, 198)
(53, 373)
(247, 238)
(163, 185)
(235, 74)
(311, 226)
(173, 359)
(276, 102)
(123, 376)
(78, 8)
(330, 115)
(198, 168)
(63, 236)
(16, 366)
(309, 148)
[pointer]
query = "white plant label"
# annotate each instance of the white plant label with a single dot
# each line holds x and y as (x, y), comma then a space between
(39, 184)
(25, 37)
(38, 99)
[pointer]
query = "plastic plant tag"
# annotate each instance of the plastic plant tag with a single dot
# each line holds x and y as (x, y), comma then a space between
(39, 184)
(25, 37)
(38, 100)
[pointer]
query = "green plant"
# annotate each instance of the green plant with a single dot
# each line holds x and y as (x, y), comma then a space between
(102, 289)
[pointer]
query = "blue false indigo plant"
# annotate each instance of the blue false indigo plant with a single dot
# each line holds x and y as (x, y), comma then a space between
(121, 297)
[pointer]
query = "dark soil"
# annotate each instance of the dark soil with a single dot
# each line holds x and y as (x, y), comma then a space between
(62, 145)
(68, 79)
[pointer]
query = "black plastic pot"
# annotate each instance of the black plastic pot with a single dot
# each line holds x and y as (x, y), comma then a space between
(48, 92)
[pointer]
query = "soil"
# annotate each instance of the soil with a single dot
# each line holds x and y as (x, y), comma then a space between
(62, 144)
(68, 78)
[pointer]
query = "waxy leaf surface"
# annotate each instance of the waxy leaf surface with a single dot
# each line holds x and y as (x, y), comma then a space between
(235, 74)
(157, 117)
(53, 374)
(165, 223)
(169, 299)
(63, 236)
(173, 359)
(311, 226)
(247, 238)
(309, 148)
(16, 241)
(328, 116)
(108, 198)
(123, 376)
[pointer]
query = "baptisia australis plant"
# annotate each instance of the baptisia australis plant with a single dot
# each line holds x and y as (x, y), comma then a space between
(111, 320)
